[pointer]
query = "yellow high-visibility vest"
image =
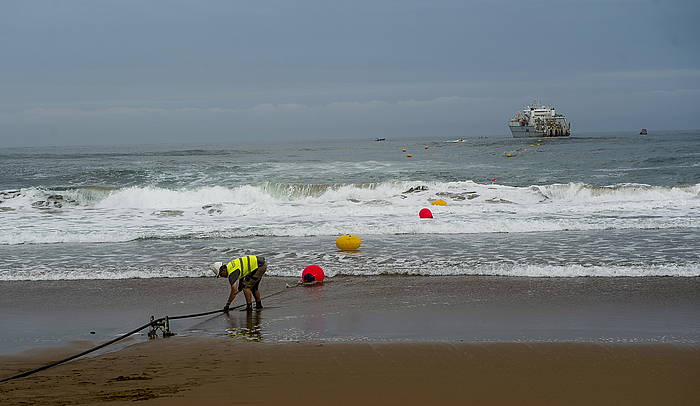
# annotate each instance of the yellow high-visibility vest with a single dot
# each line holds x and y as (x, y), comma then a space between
(245, 264)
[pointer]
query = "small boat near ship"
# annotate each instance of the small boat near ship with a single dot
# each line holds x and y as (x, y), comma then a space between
(538, 120)
(643, 131)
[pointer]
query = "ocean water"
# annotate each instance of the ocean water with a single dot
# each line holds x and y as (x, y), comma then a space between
(614, 204)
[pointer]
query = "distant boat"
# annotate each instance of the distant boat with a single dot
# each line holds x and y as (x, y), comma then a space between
(643, 131)
(380, 139)
(457, 140)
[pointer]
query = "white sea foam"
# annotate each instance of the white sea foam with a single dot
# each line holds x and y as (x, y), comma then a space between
(337, 269)
(161, 198)
(272, 209)
(555, 271)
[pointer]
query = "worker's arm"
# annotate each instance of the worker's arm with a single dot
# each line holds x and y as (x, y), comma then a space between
(232, 295)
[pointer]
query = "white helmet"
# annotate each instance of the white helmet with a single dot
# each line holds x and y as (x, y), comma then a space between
(215, 267)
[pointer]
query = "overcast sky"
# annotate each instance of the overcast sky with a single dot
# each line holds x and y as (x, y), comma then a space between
(139, 71)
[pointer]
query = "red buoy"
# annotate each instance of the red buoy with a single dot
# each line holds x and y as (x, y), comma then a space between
(425, 214)
(312, 273)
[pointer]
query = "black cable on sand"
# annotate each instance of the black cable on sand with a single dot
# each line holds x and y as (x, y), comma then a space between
(123, 336)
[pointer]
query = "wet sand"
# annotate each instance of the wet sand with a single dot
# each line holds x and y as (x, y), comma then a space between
(380, 308)
(374, 340)
(216, 371)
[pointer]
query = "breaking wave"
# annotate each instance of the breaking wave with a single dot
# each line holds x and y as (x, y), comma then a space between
(526, 270)
(103, 214)
(154, 197)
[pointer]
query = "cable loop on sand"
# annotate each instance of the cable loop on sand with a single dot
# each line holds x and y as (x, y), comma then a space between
(155, 324)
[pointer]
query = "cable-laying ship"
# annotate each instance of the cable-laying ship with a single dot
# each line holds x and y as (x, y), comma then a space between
(542, 121)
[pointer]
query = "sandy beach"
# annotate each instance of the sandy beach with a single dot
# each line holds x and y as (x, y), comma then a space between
(388, 340)
(182, 371)
(378, 308)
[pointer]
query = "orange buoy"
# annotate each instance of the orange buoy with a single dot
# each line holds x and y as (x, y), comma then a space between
(425, 214)
(348, 242)
(409, 155)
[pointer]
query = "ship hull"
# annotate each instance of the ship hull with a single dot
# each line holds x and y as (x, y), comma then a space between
(527, 131)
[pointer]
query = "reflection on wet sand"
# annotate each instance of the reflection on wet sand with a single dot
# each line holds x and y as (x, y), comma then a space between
(247, 328)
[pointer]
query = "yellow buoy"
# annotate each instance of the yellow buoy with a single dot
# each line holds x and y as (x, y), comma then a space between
(508, 155)
(403, 150)
(409, 155)
(426, 147)
(348, 242)
(439, 203)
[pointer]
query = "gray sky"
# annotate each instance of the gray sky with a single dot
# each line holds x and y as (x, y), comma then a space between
(138, 71)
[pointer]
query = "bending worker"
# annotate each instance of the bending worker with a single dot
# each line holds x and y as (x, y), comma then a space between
(244, 274)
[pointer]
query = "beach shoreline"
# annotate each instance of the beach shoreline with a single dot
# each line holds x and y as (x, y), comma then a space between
(388, 339)
(218, 371)
(650, 310)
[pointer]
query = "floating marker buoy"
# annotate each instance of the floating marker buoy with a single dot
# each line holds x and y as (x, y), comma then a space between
(409, 155)
(426, 147)
(348, 242)
(508, 155)
(439, 203)
(312, 274)
(403, 150)
(493, 179)
(425, 214)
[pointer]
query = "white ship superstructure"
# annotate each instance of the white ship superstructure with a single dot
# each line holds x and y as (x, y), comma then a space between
(541, 121)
